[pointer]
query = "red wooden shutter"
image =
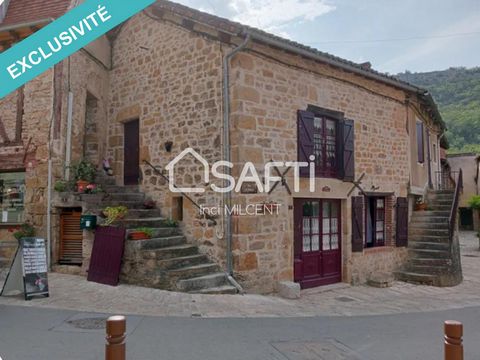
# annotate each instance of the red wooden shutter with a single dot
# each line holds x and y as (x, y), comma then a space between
(357, 224)
(348, 155)
(402, 222)
(305, 138)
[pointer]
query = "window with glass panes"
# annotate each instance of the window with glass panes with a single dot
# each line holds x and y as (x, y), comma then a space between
(380, 221)
(12, 197)
(325, 146)
(321, 225)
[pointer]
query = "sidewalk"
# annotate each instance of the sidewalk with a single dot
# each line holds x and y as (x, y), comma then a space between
(75, 293)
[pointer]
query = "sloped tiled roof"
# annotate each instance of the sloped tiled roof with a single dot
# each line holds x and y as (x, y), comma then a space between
(22, 11)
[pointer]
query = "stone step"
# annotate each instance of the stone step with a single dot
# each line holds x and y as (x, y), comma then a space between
(446, 197)
(440, 203)
(183, 262)
(109, 189)
(425, 269)
(429, 253)
(441, 192)
(125, 196)
(415, 278)
(202, 282)
(428, 213)
(161, 231)
(429, 219)
(429, 238)
(218, 290)
(133, 223)
(170, 252)
(193, 271)
(429, 245)
(136, 213)
(155, 243)
(429, 225)
(129, 204)
(429, 262)
(415, 231)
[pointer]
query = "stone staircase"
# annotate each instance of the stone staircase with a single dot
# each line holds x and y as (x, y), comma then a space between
(432, 261)
(166, 261)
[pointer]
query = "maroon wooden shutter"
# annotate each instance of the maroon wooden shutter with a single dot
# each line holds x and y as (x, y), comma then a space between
(305, 138)
(348, 155)
(357, 223)
(402, 222)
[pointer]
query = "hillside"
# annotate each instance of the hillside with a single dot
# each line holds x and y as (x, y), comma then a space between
(457, 93)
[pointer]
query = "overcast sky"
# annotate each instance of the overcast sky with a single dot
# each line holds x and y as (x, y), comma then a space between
(394, 35)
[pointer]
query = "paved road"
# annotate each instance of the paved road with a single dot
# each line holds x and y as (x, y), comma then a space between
(47, 334)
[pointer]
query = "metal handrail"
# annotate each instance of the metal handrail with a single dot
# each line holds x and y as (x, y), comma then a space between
(158, 172)
(453, 211)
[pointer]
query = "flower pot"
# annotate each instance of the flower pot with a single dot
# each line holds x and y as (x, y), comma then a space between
(420, 207)
(82, 185)
(138, 235)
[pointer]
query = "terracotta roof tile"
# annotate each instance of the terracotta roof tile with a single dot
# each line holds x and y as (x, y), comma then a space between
(21, 11)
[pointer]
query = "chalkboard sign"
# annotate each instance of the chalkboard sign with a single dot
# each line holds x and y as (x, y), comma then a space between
(35, 269)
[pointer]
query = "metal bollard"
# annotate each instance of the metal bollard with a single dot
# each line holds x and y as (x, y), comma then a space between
(453, 340)
(115, 346)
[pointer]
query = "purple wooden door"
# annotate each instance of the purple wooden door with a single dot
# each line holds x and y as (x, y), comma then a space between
(131, 164)
(107, 254)
(317, 255)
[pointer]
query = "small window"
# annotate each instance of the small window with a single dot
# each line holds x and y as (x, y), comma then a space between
(12, 197)
(375, 222)
(420, 143)
(434, 152)
(325, 146)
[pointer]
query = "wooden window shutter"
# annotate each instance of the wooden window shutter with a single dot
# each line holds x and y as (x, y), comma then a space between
(348, 150)
(357, 224)
(402, 222)
(420, 143)
(71, 238)
(305, 138)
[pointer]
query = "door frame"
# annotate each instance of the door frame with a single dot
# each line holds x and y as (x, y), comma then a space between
(298, 243)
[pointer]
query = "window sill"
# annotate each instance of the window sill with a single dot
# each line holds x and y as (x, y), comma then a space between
(9, 225)
(378, 249)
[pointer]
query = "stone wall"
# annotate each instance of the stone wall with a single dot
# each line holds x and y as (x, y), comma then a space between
(171, 80)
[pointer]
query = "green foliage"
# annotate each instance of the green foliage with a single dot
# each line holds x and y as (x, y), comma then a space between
(23, 231)
(113, 214)
(474, 202)
(84, 170)
(456, 92)
(60, 186)
(170, 223)
(148, 231)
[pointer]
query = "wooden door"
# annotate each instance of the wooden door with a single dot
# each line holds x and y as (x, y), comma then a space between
(131, 164)
(317, 251)
(71, 238)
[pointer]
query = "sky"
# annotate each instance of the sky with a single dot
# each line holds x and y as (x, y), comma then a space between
(394, 35)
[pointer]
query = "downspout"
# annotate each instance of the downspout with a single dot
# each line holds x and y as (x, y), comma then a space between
(227, 197)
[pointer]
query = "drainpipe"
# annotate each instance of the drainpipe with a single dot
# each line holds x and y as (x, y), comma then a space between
(227, 197)
(68, 150)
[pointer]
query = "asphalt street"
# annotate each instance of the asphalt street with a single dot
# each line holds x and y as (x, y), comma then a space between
(49, 334)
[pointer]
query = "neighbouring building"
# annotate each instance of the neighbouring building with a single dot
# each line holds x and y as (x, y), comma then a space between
(470, 165)
(157, 85)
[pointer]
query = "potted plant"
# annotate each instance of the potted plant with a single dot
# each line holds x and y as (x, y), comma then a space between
(141, 233)
(420, 204)
(170, 223)
(113, 213)
(84, 174)
(23, 231)
(60, 186)
(93, 192)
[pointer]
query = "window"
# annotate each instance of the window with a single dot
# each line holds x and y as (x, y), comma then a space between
(375, 222)
(330, 138)
(325, 146)
(12, 197)
(420, 143)
(321, 228)
(434, 152)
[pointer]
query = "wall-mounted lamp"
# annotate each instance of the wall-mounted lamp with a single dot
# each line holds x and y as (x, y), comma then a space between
(168, 146)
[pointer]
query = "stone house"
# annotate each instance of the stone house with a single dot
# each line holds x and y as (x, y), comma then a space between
(172, 78)
(470, 165)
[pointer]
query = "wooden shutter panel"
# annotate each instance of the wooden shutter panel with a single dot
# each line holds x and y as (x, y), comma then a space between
(402, 222)
(71, 238)
(357, 224)
(420, 143)
(348, 156)
(305, 138)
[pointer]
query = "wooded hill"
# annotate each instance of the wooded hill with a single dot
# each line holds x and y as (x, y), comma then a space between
(457, 93)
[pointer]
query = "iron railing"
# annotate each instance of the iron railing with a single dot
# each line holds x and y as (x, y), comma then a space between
(445, 180)
(166, 178)
(454, 210)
